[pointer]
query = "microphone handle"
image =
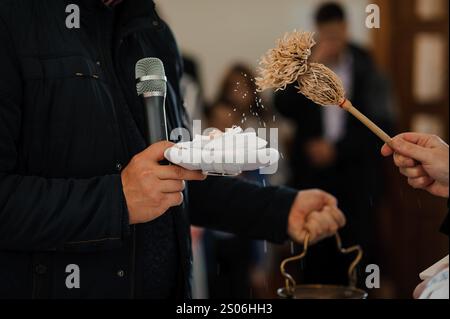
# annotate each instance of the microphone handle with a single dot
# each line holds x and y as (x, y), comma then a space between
(155, 119)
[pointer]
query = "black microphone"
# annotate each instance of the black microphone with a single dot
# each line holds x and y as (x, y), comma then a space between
(151, 84)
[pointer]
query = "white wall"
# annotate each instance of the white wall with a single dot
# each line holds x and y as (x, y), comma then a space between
(220, 32)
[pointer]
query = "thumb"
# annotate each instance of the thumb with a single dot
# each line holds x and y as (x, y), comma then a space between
(155, 152)
(386, 150)
(329, 199)
(408, 149)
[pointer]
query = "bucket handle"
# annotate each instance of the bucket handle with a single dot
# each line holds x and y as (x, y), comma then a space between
(290, 281)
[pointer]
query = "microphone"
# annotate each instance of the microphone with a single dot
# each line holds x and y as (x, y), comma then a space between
(151, 85)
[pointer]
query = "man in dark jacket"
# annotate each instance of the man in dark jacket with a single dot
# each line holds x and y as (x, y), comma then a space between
(80, 194)
(332, 149)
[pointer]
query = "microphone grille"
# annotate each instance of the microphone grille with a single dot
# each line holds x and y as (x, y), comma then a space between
(150, 67)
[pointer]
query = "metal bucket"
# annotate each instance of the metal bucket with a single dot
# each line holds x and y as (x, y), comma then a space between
(294, 291)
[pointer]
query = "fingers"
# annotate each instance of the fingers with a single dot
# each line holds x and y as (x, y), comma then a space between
(156, 151)
(173, 199)
(386, 150)
(421, 182)
(403, 161)
(178, 173)
(313, 226)
(409, 149)
(338, 217)
(413, 172)
(322, 198)
(329, 199)
(421, 139)
(172, 186)
(413, 145)
(324, 224)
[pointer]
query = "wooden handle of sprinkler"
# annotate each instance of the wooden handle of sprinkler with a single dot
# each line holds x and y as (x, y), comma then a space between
(347, 105)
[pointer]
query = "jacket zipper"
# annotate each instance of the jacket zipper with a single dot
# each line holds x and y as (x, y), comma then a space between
(116, 81)
(133, 227)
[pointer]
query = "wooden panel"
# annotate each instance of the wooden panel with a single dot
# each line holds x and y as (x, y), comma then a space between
(409, 221)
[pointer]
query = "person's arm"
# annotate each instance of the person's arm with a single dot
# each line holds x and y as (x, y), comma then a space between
(37, 213)
(270, 213)
(242, 208)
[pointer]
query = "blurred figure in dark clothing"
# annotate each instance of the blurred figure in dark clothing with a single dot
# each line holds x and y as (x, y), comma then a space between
(333, 150)
(191, 89)
(234, 263)
(239, 101)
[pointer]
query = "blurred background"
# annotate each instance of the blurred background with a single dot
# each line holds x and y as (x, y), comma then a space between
(396, 74)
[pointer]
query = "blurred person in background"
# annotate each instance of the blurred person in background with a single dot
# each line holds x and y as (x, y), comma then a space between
(424, 160)
(239, 101)
(192, 88)
(332, 149)
(235, 267)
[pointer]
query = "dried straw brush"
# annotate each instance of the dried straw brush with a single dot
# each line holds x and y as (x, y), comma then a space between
(288, 63)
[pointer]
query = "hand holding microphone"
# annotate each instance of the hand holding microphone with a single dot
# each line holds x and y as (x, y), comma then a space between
(150, 189)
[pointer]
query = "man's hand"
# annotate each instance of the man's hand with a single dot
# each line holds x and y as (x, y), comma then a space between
(423, 159)
(150, 189)
(314, 212)
(321, 153)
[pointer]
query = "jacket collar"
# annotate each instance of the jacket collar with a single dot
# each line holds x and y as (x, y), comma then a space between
(128, 10)
(134, 15)
(131, 15)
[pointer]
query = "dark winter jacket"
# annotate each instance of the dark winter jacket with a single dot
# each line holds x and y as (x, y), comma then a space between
(70, 121)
